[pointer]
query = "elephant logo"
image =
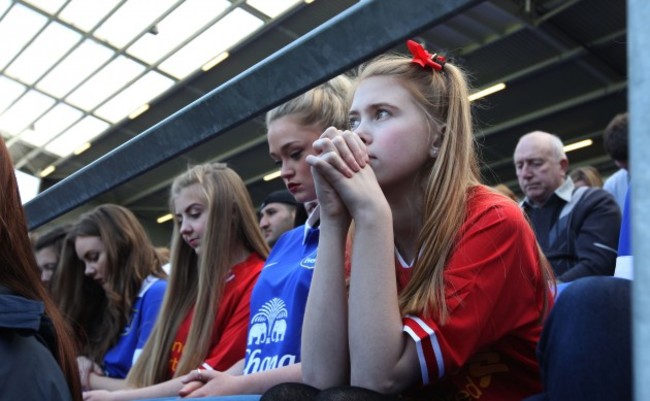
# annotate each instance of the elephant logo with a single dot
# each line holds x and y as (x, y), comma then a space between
(279, 328)
(269, 324)
(257, 333)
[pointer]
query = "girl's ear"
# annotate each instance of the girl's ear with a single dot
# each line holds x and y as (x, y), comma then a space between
(437, 143)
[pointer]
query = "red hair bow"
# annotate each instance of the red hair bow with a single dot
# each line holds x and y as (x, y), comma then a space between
(423, 58)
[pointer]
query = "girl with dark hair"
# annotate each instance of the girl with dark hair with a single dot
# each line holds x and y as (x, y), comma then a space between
(36, 347)
(110, 285)
(47, 249)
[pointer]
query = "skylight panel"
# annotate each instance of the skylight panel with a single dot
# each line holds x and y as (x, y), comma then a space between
(84, 131)
(49, 6)
(76, 67)
(10, 90)
(51, 124)
(105, 83)
(221, 36)
(17, 28)
(27, 186)
(86, 14)
(137, 94)
(180, 24)
(23, 113)
(43, 53)
(4, 5)
(133, 17)
(273, 8)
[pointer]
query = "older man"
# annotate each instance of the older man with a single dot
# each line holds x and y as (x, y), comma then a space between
(577, 228)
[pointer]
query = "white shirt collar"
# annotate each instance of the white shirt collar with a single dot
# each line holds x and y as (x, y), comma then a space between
(564, 192)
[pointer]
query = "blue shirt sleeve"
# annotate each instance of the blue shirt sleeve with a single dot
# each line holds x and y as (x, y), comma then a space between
(119, 359)
(151, 303)
(625, 241)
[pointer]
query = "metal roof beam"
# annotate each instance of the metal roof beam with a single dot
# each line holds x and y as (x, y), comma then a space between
(361, 32)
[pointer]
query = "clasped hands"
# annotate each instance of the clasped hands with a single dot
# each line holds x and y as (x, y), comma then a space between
(345, 182)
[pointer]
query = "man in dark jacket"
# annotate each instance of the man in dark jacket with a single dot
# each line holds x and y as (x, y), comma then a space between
(577, 228)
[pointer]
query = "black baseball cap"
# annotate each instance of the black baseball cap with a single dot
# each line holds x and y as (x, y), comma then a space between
(281, 196)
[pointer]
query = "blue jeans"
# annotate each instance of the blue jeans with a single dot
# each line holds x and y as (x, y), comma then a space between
(585, 350)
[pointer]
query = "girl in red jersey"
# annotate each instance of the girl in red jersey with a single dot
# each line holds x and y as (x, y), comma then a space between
(217, 254)
(448, 288)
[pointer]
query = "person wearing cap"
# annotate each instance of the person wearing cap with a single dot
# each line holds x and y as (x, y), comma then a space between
(277, 215)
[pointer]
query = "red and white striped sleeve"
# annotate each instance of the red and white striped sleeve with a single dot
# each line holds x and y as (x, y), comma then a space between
(429, 351)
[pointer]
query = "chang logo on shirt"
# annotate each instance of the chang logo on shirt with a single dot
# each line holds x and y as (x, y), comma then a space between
(269, 324)
(255, 363)
(309, 262)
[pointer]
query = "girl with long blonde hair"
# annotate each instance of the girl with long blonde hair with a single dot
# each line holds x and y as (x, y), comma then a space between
(278, 300)
(448, 288)
(217, 253)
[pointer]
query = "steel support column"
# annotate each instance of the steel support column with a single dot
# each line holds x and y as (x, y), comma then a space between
(639, 79)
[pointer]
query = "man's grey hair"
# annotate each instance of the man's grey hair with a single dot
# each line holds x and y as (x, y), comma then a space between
(557, 147)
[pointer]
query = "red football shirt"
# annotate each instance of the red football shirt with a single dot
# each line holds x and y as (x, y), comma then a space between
(228, 344)
(495, 294)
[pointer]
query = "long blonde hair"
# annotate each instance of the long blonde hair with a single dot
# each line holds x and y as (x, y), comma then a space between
(444, 99)
(198, 280)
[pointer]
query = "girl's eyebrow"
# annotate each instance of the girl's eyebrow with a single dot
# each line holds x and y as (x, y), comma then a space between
(283, 148)
(287, 145)
(382, 104)
(187, 209)
(193, 205)
(374, 106)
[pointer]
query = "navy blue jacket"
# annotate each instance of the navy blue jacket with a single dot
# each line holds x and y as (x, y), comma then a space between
(28, 370)
(583, 240)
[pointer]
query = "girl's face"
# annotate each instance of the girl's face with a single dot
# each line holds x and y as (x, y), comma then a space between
(47, 259)
(191, 213)
(289, 144)
(92, 252)
(394, 128)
